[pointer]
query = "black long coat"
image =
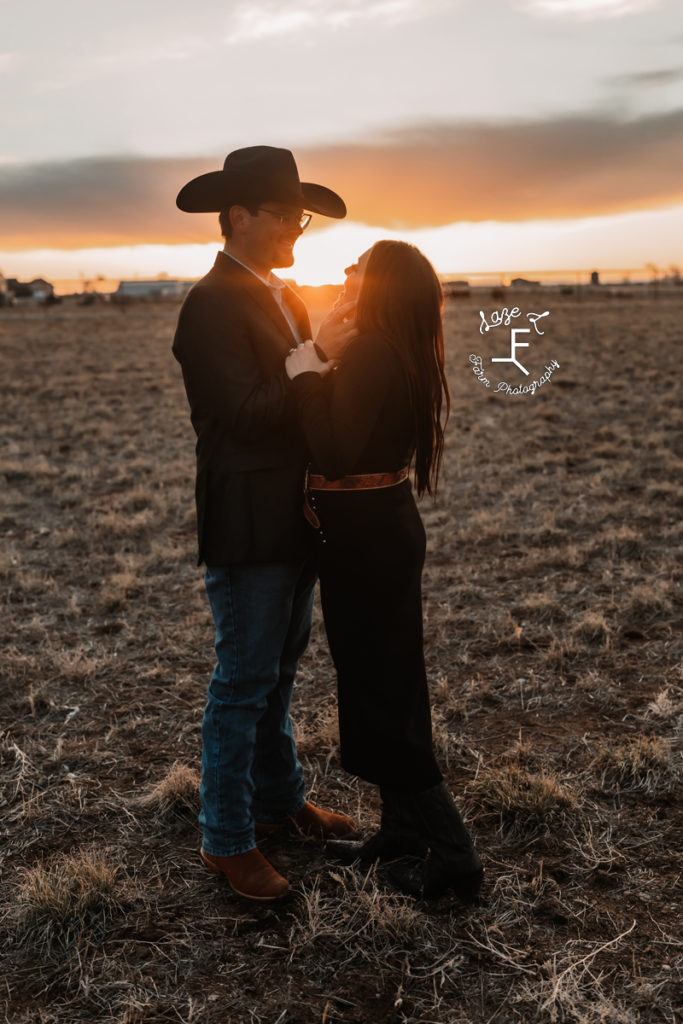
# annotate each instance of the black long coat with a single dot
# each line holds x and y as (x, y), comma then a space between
(371, 550)
(231, 342)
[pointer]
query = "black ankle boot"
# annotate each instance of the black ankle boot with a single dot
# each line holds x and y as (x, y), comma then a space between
(396, 836)
(453, 863)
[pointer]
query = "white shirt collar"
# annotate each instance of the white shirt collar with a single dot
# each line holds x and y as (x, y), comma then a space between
(277, 288)
(272, 281)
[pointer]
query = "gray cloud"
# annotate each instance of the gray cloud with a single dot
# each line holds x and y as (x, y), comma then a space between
(565, 167)
(423, 176)
(656, 77)
(98, 201)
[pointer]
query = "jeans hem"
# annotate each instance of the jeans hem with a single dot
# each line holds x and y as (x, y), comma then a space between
(232, 851)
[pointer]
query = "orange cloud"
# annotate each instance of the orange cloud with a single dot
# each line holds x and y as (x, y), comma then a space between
(419, 177)
(571, 167)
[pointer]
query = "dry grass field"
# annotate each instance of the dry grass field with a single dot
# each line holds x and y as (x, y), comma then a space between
(553, 642)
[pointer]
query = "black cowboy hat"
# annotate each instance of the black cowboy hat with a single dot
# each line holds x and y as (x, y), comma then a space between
(257, 174)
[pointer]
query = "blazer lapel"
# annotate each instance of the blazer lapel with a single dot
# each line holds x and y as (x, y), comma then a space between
(299, 312)
(261, 294)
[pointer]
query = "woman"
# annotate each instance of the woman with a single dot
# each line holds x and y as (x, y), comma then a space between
(364, 423)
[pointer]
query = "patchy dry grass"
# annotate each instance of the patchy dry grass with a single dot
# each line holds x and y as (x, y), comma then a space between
(364, 923)
(645, 764)
(647, 602)
(524, 799)
(553, 644)
(75, 892)
(592, 628)
(176, 793)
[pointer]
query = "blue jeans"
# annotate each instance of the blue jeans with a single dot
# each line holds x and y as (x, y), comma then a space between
(250, 769)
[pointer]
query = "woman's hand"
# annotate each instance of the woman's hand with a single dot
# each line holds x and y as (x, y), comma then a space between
(337, 330)
(304, 358)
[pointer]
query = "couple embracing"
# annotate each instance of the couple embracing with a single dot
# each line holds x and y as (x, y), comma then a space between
(303, 455)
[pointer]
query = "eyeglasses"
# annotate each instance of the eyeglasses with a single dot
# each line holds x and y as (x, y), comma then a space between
(290, 220)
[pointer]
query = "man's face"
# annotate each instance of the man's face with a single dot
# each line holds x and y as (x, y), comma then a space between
(267, 239)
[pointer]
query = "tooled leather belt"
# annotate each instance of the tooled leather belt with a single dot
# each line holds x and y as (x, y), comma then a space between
(354, 482)
(357, 482)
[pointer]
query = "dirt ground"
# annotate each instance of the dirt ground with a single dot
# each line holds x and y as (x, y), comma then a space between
(553, 644)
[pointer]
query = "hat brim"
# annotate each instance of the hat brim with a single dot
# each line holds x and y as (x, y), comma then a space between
(213, 192)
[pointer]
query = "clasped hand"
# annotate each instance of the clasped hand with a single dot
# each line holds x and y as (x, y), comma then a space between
(303, 359)
(334, 334)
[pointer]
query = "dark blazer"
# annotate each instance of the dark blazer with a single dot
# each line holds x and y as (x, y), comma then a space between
(231, 342)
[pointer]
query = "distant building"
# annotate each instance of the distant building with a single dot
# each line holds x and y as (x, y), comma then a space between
(39, 290)
(521, 282)
(595, 277)
(456, 289)
(161, 288)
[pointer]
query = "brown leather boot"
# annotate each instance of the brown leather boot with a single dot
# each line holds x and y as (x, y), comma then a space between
(249, 874)
(313, 821)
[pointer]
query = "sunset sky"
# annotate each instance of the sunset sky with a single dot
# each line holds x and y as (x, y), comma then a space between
(498, 135)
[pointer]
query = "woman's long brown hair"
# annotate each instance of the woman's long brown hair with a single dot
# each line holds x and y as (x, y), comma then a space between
(401, 298)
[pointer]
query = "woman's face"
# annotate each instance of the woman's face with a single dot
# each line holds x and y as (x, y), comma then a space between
(354, 278)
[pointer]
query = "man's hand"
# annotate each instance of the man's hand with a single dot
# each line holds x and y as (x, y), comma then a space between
(304, 358)
(337, 330)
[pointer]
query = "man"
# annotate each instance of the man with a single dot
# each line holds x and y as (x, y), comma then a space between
(234, 331)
